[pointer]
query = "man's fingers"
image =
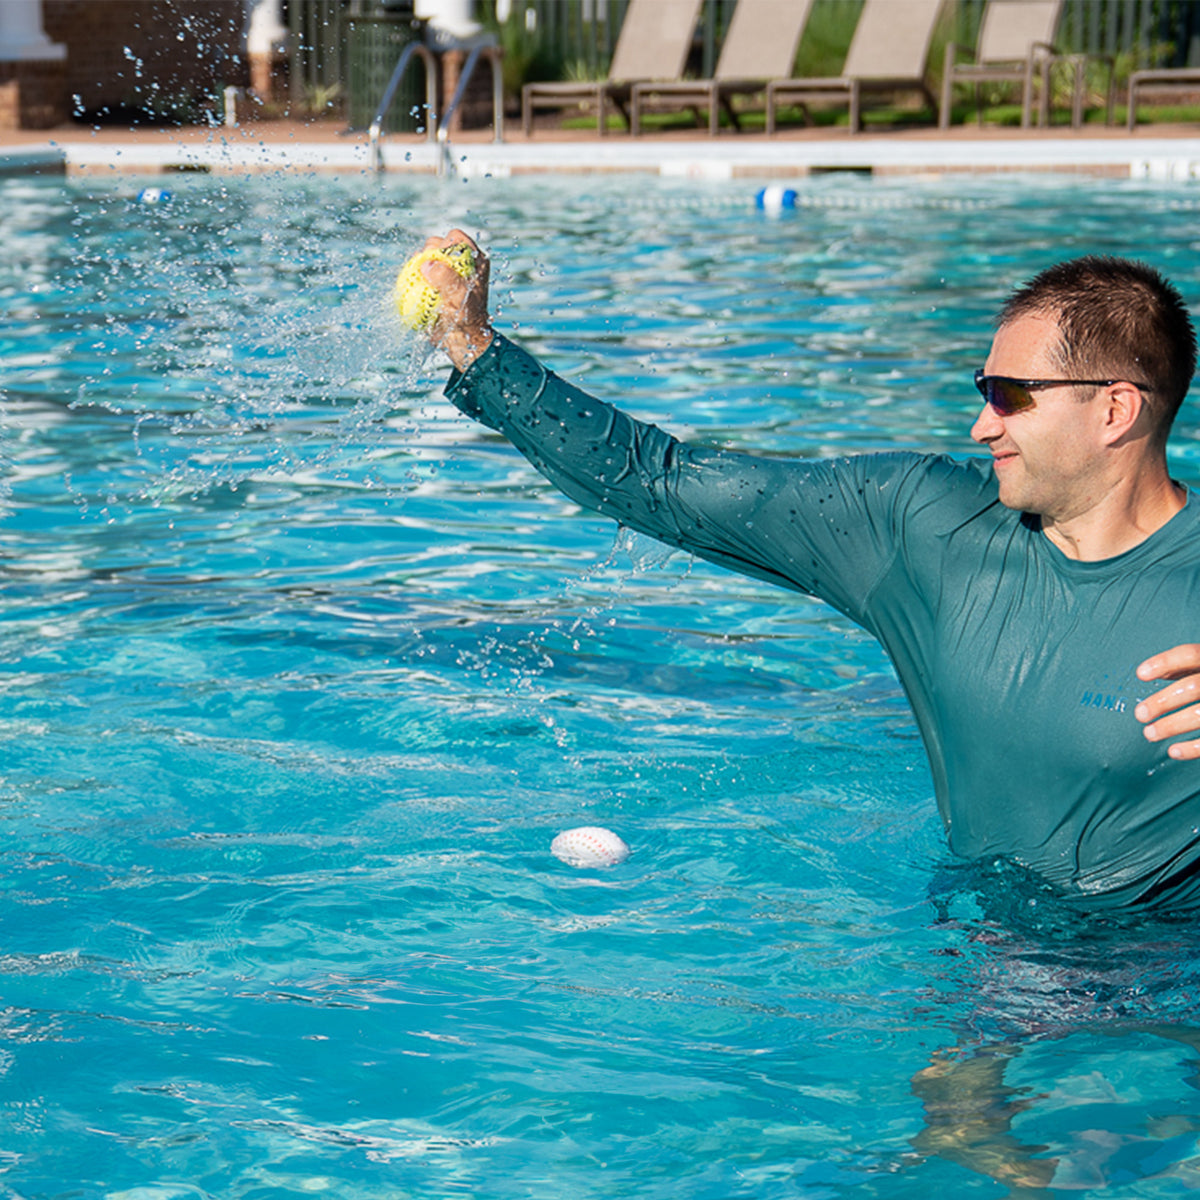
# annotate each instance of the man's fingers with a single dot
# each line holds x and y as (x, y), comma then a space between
(1184, 750)
(1170, 664)
(457, 235)
(460, 322)
(1174, 722)
(1173, 696)
(453, 238)
(443, 277)
(1173, 710)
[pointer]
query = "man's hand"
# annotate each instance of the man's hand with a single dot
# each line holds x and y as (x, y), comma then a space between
(463, 328)
(1174, 709)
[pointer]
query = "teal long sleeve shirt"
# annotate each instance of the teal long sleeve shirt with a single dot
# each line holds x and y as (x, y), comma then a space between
(1019, 662)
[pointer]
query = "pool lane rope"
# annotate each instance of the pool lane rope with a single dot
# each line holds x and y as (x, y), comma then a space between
(777, 199)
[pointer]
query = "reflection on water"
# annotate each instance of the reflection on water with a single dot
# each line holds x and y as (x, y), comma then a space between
(300, 674)
(1063, 1019)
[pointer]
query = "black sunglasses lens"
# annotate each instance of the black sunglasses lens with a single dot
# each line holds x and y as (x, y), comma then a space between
(1006, 396)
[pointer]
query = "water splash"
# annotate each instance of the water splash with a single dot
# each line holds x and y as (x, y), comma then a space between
(234, 349)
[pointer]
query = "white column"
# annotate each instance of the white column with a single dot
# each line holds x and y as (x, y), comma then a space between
(21, 36)
(267, 33)
(266, 44)
(453, 17)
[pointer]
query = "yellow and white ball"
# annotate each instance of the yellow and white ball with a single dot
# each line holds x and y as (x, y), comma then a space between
(416, 301)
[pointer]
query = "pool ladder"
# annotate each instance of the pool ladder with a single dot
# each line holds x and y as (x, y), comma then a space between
(436, 130)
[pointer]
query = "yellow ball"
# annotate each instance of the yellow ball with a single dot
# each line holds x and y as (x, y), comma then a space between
(416, 301)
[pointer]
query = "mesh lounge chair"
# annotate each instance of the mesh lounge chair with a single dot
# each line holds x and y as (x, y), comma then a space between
(887, 53)
(760, 45)
(654, 41)
(1016, 45)
(1178, 79)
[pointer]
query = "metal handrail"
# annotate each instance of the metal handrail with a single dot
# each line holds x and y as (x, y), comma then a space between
(443, 133)
(375, 133)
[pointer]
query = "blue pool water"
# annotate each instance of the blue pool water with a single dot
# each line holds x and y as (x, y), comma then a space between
(300, 673)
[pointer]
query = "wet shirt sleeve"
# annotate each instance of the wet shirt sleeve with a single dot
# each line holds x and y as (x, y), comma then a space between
(827, 527)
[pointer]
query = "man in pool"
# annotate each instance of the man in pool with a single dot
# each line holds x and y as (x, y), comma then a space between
(1033, 601)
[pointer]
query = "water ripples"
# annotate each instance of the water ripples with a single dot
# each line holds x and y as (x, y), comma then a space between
(300, 673)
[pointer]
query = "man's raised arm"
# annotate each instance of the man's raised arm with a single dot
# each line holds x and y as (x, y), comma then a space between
(786, 521)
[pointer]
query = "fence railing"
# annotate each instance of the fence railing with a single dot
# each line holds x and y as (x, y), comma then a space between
(316, 45)
(1147, 33)
(577, 36)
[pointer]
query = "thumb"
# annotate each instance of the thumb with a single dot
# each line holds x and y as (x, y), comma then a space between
(443, 278)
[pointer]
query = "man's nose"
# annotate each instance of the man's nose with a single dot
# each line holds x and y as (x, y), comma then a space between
(988, 425)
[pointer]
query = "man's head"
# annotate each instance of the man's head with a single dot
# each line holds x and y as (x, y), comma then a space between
(1117, 319)
(1061, 448)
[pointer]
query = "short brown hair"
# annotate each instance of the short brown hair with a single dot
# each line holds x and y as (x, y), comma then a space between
(1117, 319)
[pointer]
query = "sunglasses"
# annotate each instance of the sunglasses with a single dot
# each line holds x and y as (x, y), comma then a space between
(1008, 396)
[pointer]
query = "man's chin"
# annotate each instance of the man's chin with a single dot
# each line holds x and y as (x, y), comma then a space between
(1010, 493)
(1010, 497)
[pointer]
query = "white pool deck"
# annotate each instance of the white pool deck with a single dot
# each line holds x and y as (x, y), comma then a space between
(1152, 152)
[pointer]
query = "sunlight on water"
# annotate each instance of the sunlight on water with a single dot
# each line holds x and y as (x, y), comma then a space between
(300, 674)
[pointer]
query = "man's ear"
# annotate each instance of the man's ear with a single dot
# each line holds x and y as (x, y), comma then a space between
(1126, 414)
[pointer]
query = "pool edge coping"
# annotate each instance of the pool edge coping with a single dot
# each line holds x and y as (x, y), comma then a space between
(1141, 155)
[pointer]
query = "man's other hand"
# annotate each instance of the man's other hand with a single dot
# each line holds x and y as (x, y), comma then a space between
(1174, 709)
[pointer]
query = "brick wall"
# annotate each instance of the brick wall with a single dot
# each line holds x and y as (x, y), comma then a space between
(161, 58)
(33, 95)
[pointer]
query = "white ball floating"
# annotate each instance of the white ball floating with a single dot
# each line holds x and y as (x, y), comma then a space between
(589, 846)
(775, 199)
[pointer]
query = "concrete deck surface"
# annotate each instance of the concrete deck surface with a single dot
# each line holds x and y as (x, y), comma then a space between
(1159, 151)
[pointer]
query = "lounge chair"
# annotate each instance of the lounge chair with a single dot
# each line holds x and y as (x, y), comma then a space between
(888, 52)
(1184, 79)
(1016, 45)
(759, 45)
(654, 41)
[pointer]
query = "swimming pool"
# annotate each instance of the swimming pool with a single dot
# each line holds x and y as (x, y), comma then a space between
(300, 673)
